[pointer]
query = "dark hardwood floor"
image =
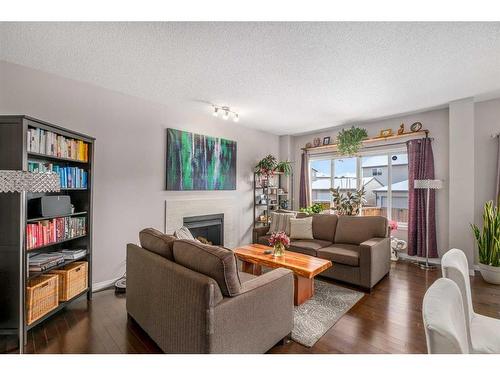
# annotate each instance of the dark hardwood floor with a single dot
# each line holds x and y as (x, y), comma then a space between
(388, 320)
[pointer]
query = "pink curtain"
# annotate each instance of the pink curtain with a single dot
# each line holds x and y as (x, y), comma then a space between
(497, 194)
(304, 195)
(420, 167)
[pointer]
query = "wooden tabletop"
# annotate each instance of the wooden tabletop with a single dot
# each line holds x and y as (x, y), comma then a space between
(301, 264)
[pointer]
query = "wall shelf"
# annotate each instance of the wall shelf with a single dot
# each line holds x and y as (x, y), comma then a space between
(333, 146)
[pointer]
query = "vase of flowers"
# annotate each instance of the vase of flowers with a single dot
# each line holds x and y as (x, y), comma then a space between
(279, 240)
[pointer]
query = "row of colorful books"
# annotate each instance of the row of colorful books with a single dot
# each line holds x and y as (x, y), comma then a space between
(43, 261)
(52, 144)
(70, 177)
(50, 231)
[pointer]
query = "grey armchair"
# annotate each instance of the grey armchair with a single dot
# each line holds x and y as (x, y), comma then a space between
(192, 299)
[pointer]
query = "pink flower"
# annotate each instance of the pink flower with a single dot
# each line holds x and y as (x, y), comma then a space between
(393, 225)
(279, 238)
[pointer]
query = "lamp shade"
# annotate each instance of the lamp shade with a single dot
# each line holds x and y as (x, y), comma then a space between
(428, 184)
(12, 181)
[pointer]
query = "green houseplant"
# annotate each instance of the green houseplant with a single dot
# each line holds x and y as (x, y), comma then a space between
(488, 243)
(348, 203)
(269, 165)
(315, 208)
(284, 167)
(349, 140)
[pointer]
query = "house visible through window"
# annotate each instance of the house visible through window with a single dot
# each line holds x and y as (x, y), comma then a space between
(384, 177)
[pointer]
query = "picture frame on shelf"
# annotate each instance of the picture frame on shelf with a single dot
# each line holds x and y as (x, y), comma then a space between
(326, 141)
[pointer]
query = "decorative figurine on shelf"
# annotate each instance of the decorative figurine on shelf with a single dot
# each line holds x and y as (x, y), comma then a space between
(416, 126)
(317, 142)
(385, 133)
(284, 204)
(309, 145)
(401, 129)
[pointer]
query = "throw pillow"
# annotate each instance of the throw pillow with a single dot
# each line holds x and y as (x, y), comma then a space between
(301, 229)
(280, 222)
(183, 233)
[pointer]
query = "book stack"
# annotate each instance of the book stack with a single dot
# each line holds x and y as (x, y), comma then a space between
(70, 177)
(48, 143)
(74, 254)
(41, 262)
(46, 232)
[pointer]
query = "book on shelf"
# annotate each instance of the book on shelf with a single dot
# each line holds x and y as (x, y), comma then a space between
(43, 261)
(48, 143)
(46, 232)
(74, 254)
(70, 177)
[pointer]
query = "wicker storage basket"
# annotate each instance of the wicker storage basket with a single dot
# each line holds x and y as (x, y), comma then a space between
(73, 279)
(41, 297)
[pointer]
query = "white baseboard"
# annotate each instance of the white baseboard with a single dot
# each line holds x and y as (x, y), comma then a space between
(96, 287)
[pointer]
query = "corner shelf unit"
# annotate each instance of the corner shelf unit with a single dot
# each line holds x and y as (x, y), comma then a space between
(14, 265)
(269, 195)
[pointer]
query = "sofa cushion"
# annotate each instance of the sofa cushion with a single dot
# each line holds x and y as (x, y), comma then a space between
(301, 229)
(216, 262)
(157, 242)
(308, 247)
(324, 226)
(357, 229)
(280, 222)
(341, 253)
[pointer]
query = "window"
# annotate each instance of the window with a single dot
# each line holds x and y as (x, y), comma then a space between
(383, 175)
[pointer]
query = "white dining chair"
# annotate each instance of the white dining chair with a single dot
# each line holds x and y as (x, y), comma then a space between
(444, 319)
(483, 331)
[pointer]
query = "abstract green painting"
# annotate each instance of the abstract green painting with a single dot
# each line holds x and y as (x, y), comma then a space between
(200, 162)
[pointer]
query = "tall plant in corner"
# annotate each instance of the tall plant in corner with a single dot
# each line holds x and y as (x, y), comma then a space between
(349, 140)
(488, 243)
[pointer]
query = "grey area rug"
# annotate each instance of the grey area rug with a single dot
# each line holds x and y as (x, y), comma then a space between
(317, 315)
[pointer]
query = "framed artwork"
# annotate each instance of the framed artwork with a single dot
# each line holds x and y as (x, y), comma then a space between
(326, 141)
(199, 162)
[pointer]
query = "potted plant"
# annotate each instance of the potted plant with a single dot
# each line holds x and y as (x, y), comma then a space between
(348, 203)
(316, 208)
(284, 167)
(269, 165)
(279, 240)
(349, 140)
(266, 166)
(488, 243)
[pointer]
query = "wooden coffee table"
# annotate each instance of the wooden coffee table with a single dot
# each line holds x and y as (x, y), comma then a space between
(304, 267)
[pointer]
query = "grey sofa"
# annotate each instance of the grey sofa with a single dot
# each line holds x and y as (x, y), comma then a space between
(190, 298)
(358, 246)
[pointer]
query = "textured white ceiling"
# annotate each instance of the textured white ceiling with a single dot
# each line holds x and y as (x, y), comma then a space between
(284, 78)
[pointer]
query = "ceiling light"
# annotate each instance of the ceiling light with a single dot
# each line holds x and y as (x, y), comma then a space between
(226, 113)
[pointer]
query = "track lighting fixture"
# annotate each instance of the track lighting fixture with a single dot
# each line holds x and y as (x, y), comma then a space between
(226, 113)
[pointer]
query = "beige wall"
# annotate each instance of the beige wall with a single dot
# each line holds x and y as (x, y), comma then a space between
(130, 154)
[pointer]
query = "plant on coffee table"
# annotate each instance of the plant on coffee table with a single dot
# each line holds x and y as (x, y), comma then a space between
(278, 241)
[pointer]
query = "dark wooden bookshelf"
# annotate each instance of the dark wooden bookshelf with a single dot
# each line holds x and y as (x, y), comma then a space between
(14, 272)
